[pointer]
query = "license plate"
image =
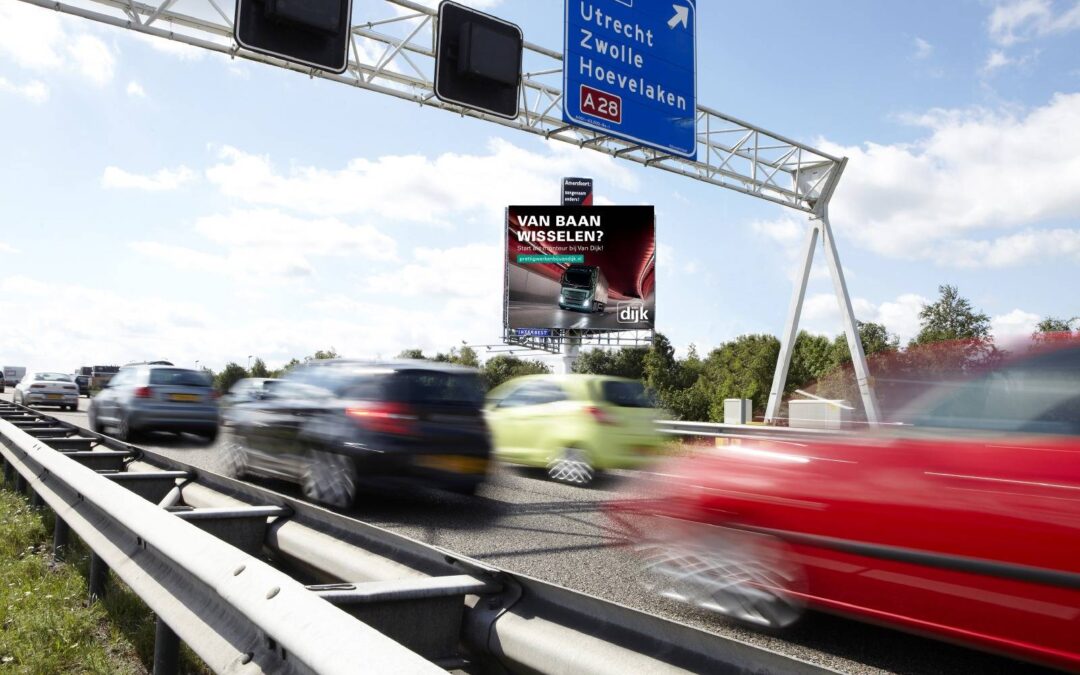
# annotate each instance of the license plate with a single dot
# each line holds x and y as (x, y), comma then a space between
(187, 398)
(54, 396)
(454, 463)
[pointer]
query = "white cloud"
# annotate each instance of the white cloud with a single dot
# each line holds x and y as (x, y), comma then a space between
(93, 58)
(1015, 323)
(414, 188)
(40, 39)
(109, 327)
(923, 49)
(901, 316)
(135, 90)
(161, 180)
(786, 231)
(821, 314)
(1014, 21)
(270, 229)
(99, 326)
(1024, 248)
(462, 271)
(34, 91)
(8, 248)
(264, 247)
(31, 36)
(255, 267)
(975, 170)
(997, 59)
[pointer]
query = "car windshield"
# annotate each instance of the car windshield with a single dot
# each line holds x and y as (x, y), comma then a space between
(52, 377)
(179, 377)
(425, 386)
(627, 394)
(106, 369)
(578, 277)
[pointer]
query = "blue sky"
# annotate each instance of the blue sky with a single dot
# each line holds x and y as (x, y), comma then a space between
(160, 201)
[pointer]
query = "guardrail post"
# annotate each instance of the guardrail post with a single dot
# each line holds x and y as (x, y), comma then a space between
(35, 499)
(99, 574)
(166, 650)
(9, 471)
(20, 483)
(60, 539)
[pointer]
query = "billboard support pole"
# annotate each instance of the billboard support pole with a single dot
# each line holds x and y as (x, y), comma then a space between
(571, 351)
(820, 224)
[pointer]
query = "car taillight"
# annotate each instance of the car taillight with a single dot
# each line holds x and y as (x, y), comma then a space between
(215, 394)
(385, 418)
(37, 386)
(144, 392)
(598, 415)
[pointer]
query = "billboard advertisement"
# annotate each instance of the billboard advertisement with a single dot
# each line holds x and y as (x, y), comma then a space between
(584, 268)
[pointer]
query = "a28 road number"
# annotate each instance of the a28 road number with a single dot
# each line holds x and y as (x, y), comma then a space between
(601, 104)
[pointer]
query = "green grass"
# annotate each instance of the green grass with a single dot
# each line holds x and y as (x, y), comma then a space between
(47, 625)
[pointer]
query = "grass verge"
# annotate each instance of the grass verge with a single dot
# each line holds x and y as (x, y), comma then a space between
(47, 624)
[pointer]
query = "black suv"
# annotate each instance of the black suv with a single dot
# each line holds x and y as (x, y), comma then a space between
(332, 426)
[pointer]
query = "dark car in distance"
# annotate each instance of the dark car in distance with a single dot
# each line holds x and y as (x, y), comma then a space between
(334, 426)
(83, 381)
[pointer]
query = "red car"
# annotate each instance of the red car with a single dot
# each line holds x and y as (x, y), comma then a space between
(964, 525)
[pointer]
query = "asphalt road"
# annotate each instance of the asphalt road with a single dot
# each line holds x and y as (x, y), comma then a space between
(524, 523)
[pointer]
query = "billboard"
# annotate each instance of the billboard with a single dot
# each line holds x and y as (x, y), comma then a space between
(582, 268)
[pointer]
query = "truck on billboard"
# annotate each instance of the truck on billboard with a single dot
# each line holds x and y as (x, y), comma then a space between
(584, 268)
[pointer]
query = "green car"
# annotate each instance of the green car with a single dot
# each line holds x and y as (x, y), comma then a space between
(573, 425)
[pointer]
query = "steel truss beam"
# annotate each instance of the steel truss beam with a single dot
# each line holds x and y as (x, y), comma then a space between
(392, 52)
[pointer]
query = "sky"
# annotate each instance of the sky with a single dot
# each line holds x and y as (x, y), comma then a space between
(161, 201)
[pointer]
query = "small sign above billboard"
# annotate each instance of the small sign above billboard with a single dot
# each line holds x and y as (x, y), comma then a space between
(577, 191)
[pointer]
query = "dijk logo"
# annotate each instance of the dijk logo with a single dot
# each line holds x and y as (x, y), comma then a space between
(630, 312)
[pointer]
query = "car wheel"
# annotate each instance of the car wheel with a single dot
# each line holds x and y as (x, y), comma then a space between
(92, 421)
(572, 467)
(123, 428)
(210, 435)
(234, 458)
(746, 576)
(329, 478)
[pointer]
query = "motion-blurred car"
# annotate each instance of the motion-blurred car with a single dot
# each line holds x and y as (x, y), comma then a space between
(331, 426)
(244, 391)
(964, 523)
(146, 398)
(45, 388)
(574, 425)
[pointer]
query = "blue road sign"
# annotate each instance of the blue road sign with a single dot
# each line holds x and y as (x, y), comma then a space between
(629, 71)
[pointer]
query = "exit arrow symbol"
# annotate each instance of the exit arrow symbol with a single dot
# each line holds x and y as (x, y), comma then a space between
(682, 15)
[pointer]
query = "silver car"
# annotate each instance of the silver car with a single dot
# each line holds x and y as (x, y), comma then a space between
(244, 391)
(45, 388)
(144, 398)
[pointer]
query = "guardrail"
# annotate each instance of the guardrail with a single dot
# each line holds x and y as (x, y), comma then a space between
(718, 430)
(185, 540)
